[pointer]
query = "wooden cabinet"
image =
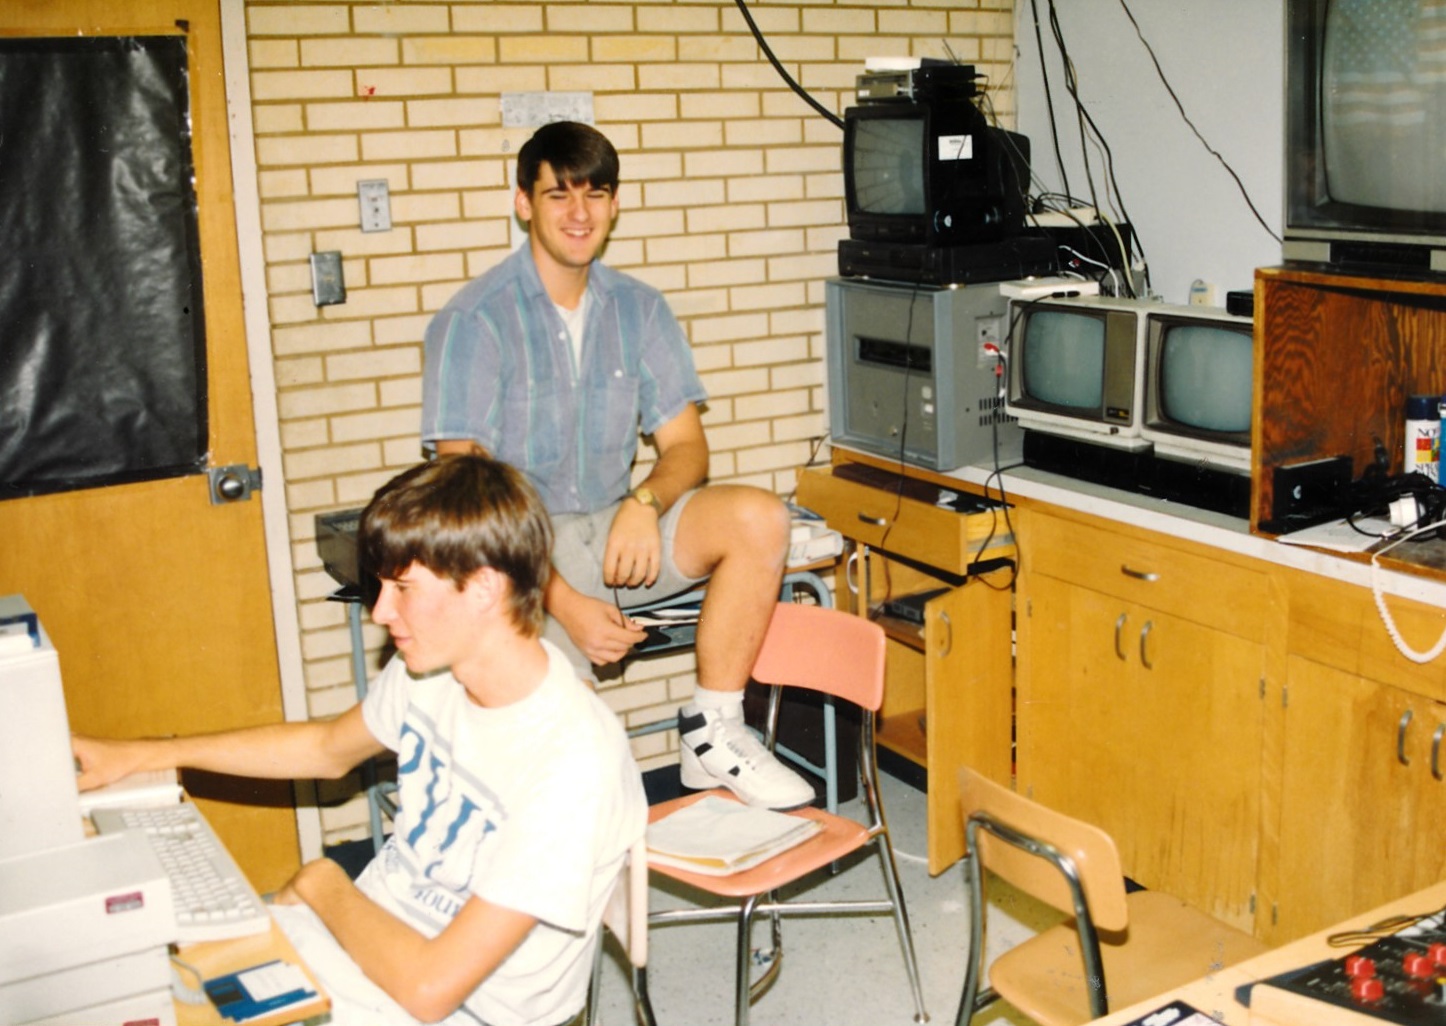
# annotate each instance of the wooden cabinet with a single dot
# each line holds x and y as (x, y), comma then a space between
(1362, 795)
(1141, 685)
(948, 700)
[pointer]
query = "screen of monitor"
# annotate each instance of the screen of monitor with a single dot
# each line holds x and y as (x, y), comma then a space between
(1205, 376)
(888, 165)
(1063, 356)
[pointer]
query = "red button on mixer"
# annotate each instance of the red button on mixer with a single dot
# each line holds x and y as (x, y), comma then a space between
(1367, 989)
(1418, 964)
(1360, 967)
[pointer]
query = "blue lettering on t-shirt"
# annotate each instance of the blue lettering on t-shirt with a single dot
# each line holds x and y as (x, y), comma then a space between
(446, 815)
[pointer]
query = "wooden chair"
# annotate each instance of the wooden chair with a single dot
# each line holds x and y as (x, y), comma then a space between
(626, 918)
(1116, 949)
(838, 654)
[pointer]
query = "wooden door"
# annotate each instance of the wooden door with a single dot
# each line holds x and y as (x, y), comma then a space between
(1150, 727)
(968, 697)
(1362, 815)
(156, 599)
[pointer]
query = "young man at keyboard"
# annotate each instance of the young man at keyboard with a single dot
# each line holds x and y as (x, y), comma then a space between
(519, 794)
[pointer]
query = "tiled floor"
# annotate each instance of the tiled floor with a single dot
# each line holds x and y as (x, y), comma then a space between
(837, 971)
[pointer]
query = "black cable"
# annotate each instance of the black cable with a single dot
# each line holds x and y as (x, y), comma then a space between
(767, 52)
(1186, 118)
(1072, 86)
(1048, 96)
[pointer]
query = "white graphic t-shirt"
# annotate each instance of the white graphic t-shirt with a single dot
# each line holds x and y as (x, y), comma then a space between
(531, 806)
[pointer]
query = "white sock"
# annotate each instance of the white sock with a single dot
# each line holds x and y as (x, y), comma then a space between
(719, 701)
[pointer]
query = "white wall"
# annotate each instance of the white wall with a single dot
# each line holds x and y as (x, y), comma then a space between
(1224, 60)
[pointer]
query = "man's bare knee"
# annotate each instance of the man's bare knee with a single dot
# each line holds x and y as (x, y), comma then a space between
(732, 521)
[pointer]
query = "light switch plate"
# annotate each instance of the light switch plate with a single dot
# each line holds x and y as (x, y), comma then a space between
(327, 284)
(375, 198)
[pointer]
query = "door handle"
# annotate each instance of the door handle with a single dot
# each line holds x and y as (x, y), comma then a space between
(948, 634)
(1436, 751)
(1401, 756)
(1119, 629)
(1139, 575)
(873, 521)
(233, 483)
(1144, 645)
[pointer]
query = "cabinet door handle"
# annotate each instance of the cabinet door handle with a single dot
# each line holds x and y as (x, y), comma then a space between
(1436, 751)
(851, 572)
(874, 521)
(1144, 645)
(1119, 629)
(1139, 575)
(948, 634)
(1401, 756)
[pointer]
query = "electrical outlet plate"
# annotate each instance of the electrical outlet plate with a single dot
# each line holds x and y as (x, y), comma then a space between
(528, 110)
(328, 286)
(375, 198)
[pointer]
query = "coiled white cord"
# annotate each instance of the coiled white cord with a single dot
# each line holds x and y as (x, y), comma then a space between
(1401, 644)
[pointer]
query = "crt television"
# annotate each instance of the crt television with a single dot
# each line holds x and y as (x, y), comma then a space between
(1076, 368)
(932, 171)
(1365, 112)
(1199, 370)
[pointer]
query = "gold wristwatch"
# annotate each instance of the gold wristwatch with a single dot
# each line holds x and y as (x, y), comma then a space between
(648, 498)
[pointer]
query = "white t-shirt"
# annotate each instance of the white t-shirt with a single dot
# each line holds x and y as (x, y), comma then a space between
(531, 806)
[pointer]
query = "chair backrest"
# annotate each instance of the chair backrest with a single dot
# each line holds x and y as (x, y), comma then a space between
(626, 913)
(1092, 851)
(825, 650)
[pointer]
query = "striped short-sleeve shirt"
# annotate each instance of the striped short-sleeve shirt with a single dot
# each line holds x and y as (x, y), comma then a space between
(500, 369)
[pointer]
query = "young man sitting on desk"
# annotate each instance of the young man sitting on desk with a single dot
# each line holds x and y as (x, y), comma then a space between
(519, 793)
(553, 363)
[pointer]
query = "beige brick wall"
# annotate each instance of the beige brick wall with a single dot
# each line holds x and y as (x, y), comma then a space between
(732, 204)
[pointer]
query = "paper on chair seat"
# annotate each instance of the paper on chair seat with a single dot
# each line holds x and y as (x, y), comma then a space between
(717, 836)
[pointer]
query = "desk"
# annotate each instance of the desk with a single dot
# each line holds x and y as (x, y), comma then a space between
(1215, 994)
(211, 959)
(218, 958)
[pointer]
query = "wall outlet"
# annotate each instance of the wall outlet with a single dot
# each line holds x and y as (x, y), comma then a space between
(375, 198)
(1202, 293)
(328, 286)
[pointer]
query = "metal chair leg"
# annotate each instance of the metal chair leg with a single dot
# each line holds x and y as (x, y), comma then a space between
(901, 923)
(743, 991)
(642, 1001)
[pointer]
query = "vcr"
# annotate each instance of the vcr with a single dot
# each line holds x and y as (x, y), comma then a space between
(913, 372)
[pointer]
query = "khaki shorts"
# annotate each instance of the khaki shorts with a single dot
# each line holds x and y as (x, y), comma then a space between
(579, 540)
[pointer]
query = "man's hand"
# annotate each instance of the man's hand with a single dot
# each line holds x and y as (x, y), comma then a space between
(101, 762)
(597, 628)
(634, 552)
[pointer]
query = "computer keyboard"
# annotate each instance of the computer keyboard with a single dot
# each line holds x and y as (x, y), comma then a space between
(213, 899)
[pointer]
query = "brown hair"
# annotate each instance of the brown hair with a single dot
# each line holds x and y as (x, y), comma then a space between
(578, 155)
(455, 515)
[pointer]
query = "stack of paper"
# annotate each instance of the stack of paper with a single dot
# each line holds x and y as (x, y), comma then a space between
(718, 836)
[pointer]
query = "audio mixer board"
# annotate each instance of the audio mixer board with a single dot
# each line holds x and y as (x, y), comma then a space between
(1398, 978)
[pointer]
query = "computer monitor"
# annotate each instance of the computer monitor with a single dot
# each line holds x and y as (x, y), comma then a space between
(1199, 370)
(1365, 121)
(1076, 369)
(932, 171)
(39, 802)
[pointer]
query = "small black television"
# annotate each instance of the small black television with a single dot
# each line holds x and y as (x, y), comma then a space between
(1199, 371)
(1365, 113)
(932, 171)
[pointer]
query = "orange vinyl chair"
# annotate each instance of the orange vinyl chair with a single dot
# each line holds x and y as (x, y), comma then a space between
(1116, 949)
(838, 654)
(626, 917)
